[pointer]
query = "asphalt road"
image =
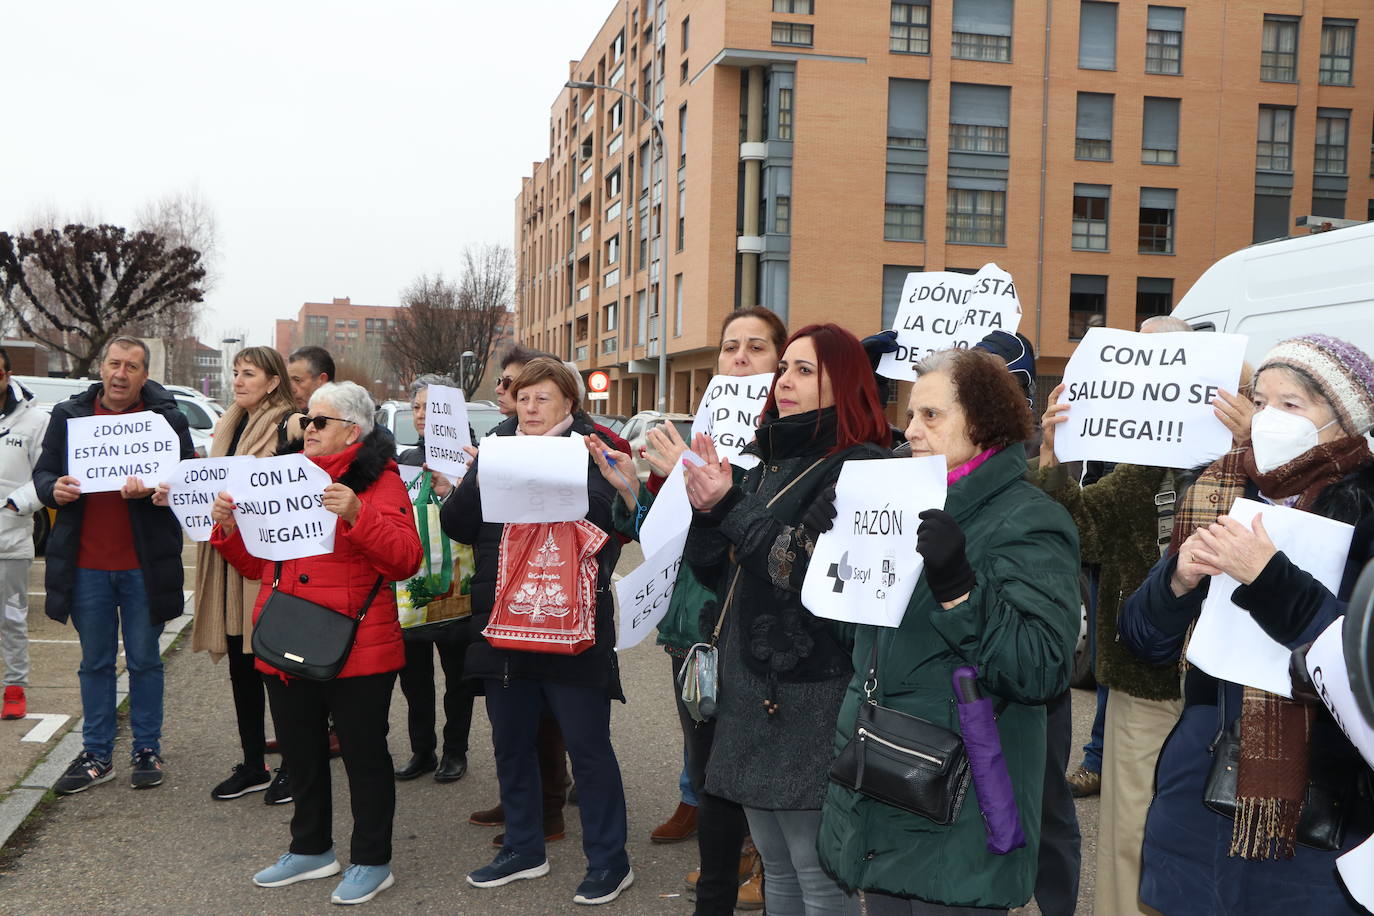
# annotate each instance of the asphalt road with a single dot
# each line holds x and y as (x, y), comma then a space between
(175, 850)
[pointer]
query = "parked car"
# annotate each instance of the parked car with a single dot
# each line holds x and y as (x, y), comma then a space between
(636, 431)
(614, 423)
(201, 415)
(396, 416)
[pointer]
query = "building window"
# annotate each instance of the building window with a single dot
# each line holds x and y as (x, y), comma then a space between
(682, 136)
(617, 114)
(793, 33)
(1164, 40)
(686, 33)
(977, 138)
(1279, 49)
(910, 30)
(796, 7)
(1093, 133)
(1087, 303)
(782, 215)
(677, 305)
(907, 113)
(1338, 52)
(982, 30)
(894, 279)
(1331, 141)
(1157, 220)
(784, 113)
(608, 317)
(1154, 296)
(1271, 214)
(979, 116)
(613, 184)
(1090, 207)
(1274, 147)
(613, 250)
(1159, 138)
(682, 73)
(904, 213)
(1097, 35)
(681, 216)
(618, 46)
(977, 217)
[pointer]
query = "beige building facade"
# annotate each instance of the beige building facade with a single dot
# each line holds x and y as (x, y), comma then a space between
(816, 151)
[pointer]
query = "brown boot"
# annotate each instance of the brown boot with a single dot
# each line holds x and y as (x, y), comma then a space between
(681, 826)
(1083, 782)
(490, 817)
(553, 830)
(751, 890)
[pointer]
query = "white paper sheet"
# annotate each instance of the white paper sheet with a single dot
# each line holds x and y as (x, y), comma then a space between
(105, 451)
(865, 568)
(669, 516)
(446, 431)
(643, 594)
(729, 413)
(1147, 398)
(940, 310)
(533, 478)
(1227, 643)
(281, 513)
(192, 487)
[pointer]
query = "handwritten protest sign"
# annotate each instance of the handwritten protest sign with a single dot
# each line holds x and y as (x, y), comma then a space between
(940, 310)
(1147, 398)
(446, 431)
(192, 487)
(533, 478)
(410, 476)
(281, 513)
(645, 593)
(729, 412)
(865, 568)
(104, 451)
(1227, 643)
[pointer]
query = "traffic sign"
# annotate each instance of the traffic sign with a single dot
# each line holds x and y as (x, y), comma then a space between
(598, 381)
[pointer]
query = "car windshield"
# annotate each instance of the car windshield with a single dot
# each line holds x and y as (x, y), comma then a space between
(404, 427)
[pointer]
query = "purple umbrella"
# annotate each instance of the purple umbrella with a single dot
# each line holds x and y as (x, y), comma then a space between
(991, 782)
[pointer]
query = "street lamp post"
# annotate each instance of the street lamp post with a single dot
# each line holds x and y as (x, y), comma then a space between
(226, 365)
(660, 249)
(463, 370)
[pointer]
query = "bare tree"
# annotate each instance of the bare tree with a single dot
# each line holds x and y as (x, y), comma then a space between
(440, 320)
(75, 288)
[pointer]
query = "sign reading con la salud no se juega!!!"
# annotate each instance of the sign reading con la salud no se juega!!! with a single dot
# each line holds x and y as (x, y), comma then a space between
(1147, 398)
(730, 411)
(940, 310)
(105, 451)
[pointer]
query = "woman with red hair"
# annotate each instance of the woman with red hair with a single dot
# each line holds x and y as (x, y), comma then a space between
(782, 671)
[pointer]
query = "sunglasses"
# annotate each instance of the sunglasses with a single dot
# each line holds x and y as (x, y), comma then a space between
(505, 381)
(320, 422)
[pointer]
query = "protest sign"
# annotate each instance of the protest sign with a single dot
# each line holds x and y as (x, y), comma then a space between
(1227, 643)
(446, 431)
(280, 507)
(192, 487)
(533, 478)
(410, 476)
(940, 310)
(669, 516)
(729, 412)
(104, 451)
(865, 568)
(644, 593)
(1147, 398)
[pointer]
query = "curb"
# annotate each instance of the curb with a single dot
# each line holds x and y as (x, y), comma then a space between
(35, 784)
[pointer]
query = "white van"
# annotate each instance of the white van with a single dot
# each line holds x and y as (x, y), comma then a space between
(1322, 283)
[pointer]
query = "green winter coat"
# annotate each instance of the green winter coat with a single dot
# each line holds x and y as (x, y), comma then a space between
(1118, 527)
(1018, 628)
(681, 626)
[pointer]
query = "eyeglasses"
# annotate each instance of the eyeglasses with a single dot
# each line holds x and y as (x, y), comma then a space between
(320, 422)
(505, 381)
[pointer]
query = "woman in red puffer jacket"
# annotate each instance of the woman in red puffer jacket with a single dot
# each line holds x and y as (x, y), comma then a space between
(375, 537)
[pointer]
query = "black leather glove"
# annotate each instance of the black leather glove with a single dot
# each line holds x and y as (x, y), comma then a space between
(820, 516)
(1304, 691)
(877, 344)
(941, 541)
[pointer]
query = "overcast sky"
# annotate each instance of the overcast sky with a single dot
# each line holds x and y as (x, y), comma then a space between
(345, 147)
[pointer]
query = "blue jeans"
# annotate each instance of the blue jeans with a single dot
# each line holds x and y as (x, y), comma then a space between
(793, 881)
(103, 603)
(684, 783)
(1092, 751)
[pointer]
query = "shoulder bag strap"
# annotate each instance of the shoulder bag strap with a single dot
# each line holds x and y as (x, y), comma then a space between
(730, 594)
(371, 596)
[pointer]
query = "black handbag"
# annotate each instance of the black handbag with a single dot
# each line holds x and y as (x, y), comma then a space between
(902, 760)
(1326, 808)
(303, 639)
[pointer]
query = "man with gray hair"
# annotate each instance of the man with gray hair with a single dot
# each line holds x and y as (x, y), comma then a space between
(113, 566)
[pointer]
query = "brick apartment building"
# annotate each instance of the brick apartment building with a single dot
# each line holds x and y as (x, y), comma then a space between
(1104, 153)
(355, 335)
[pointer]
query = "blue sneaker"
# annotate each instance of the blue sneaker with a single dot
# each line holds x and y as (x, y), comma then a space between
(293, 867)
(509, 866)
(362, 882)
(602, 885)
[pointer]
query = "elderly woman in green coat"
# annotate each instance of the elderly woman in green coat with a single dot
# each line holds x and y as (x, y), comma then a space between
(999, 592)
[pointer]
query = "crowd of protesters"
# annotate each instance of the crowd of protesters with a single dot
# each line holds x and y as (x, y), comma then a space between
(763, 784)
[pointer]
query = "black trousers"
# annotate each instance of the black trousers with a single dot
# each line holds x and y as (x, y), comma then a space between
(721, 825)
(1056, 878)
(359, 706)
(250, 704)
(417, 683)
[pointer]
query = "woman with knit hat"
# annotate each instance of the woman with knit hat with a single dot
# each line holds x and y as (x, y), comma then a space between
(1315, 401)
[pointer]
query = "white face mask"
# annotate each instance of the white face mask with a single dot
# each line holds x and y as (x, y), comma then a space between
(1278, 437)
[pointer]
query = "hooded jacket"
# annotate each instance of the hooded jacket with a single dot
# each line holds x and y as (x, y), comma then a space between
(157, 533)
(22, 424)
(382, 541)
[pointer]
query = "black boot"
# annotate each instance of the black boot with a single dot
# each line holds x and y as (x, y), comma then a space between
(417, 765)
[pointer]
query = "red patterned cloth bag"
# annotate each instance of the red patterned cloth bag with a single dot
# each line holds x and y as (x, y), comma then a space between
(546, 588)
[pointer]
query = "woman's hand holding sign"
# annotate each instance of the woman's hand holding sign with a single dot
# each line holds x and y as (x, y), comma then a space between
(707, 483)
(342, 501)
(1240, 552)
(665, 448)
(222, 512)
(610, 462)
(1235, 411)
(1055, 414)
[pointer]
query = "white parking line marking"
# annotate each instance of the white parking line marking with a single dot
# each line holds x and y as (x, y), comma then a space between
(49, 723)
(57, 642)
